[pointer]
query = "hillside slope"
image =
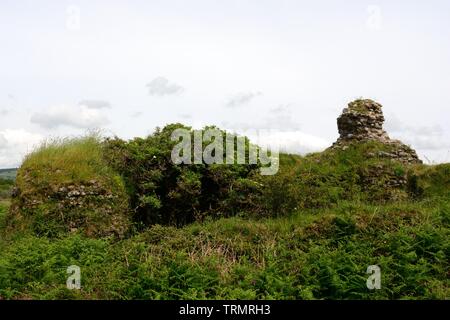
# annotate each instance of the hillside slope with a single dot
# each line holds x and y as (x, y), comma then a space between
(318, 232)
(311, 254)
(217, 231)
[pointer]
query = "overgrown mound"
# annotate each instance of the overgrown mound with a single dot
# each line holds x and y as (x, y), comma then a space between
(66, 186)
(364, 164)
(177, 194)
(361, 172)
(102, 187)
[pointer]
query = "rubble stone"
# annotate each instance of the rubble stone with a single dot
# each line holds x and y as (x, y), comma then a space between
(362, 121)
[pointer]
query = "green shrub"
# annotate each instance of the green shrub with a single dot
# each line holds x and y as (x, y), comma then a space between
(166, 193)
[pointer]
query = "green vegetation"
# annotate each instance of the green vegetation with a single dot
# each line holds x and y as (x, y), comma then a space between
(309, 255)
(63, 161)
(5, 188)
(164, 193)
(8, 174)
(66, 186)
(225, 232)
(324, 179)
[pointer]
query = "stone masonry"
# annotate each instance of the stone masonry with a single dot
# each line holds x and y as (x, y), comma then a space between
(363, 121)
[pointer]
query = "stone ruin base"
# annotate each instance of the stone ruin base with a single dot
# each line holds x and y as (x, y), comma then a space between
(362, 121)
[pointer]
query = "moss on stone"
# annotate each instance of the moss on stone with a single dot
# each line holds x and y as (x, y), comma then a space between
(362, 105)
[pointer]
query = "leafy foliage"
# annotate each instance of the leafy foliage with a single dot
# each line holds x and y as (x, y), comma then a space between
(308, 232)
(166, 193)
(309, 255)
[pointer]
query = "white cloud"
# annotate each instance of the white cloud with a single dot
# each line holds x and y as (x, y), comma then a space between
(3, 141)
(296, 142)
(137, 114)
(318, 59)
(161, 87)
(279, 130)
(95, 104)
(242, 98)
(15, 144)
(289, 141)
(419, 137)
(279, 118)
(374, 20)
(80, 116)
(186, 116)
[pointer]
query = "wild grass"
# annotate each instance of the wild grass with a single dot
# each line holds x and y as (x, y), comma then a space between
(317, 233)
(69, 160)
(65, 185)
(313, 254)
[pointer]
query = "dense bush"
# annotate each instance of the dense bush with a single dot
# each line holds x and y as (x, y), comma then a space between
(165, 193)
(177, 194)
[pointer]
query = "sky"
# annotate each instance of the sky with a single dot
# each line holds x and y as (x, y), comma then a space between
(278, 69)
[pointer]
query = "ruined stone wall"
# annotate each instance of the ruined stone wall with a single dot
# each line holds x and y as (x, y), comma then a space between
(363, 121)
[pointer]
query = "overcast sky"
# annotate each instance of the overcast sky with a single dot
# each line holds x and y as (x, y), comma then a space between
(288, 66)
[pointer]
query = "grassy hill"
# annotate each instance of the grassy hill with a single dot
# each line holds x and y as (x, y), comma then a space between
(308, 232)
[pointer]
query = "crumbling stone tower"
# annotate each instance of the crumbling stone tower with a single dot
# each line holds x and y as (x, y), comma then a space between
(363, 121)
